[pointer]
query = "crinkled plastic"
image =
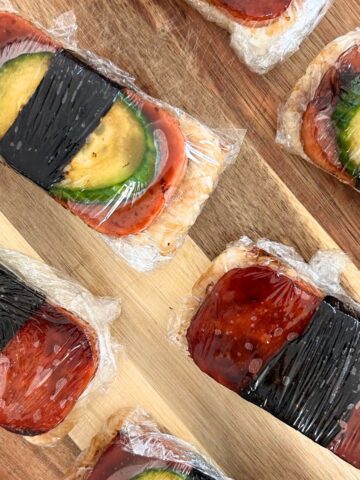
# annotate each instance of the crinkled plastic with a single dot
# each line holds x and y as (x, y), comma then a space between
(133, 446)
(264, 33)
(56, 351)
(320, 120)
(283, 334)
(133, 168)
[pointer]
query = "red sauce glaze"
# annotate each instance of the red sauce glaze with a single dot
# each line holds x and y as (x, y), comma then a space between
(318, 132)
(248, 316)
(253, 10)
(14, 28)
(138, 215)
(43, 371)
(118, 464)
(347, 444)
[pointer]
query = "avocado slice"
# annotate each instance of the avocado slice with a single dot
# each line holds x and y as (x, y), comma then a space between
(19, 78)
(347, 121)
(118, 158)
(159, 474)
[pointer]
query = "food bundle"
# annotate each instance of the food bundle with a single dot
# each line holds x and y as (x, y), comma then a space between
(133, 447)
(284, 336)
(132, 168)
(55, 348)
(321, 119)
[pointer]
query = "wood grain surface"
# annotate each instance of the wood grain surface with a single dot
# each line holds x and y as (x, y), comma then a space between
(186, 61)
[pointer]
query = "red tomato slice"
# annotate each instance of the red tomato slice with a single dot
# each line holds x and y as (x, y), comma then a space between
(248, 316)
(14, 29)
(44, 369)
(134, 217)
(253, 10)
(318, 132)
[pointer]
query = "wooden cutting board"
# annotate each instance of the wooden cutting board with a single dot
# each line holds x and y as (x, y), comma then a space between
(182, 59)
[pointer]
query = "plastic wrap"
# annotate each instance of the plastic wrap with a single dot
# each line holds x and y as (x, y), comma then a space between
(264, 33)
(283, 335)
(56, 351)
(133, 168)
(133, 446)
(321, 118)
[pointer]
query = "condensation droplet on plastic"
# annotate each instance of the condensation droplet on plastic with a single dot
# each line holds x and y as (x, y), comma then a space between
(292, 336)
(286, 381)
(255, 365)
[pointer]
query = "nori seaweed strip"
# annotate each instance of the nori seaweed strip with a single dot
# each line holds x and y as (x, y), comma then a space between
(314, 381)
(17, 304)
(52, 127)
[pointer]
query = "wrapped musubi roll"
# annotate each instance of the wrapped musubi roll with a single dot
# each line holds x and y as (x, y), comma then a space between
(132, 446)
(55, 348)
(321, 119)
(271, 330)
(133, 168)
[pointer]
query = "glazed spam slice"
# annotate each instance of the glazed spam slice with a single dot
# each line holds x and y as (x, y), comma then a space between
(261, 329)
(132, 447)
(103, 151)
(48, 357)
(321, 119)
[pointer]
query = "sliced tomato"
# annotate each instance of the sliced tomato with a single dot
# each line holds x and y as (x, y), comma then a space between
(252, 10)
(318, 130)
(247, 317)
(137, 215)
(44, 369)
(14, 29)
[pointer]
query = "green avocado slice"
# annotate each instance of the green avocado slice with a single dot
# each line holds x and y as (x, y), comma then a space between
(19, 78)
(118, 159)
(159, 474)
(347, 121)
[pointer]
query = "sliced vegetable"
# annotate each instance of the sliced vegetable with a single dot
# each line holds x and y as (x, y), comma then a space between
(55, 123)
(117, 219)
(347, 120)
(117, 160)
(318, 130)
(159, 474)
(19, 78)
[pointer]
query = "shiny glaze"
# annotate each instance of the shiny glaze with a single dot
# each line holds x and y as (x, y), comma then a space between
(253, 10)
(43, 371)
(247, 317)
(55, 123)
